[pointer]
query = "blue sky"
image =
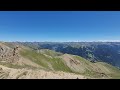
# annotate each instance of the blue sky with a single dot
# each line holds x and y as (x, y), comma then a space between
(59, 25)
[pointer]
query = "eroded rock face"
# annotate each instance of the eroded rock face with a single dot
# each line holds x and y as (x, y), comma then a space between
(8, 54)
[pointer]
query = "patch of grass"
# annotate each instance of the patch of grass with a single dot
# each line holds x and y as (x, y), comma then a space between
(35, 57)
(51, 52)
(10, 65)
(58, 65)
(82, 59)
(17, 66)
(88, 73)
(86, 64)
(94, 74)
(115, 72)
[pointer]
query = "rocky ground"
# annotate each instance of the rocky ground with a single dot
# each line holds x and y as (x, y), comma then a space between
(10, 73)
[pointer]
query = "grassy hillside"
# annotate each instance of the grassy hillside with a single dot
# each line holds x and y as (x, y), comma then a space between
(45, 61)
(95, 69)
(84, 67)
(35, 57)
(108, 52)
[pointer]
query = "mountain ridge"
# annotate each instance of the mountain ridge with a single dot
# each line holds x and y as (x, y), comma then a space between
(50, 60)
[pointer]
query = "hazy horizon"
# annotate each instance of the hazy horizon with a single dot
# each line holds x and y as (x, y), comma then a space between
(62, 41)
(60, 26)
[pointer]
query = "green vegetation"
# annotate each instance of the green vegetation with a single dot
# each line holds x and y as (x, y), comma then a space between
(115, 71)
(44, 61)
(90, 55)
(58, 65)
(104, 69)
(86, 62)
(35, 57)
(51, 52)
(10, 65)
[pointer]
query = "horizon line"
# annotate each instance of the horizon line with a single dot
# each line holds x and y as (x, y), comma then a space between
(66, 41)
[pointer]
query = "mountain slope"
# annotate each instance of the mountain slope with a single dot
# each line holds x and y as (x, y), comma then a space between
(32, 61)
(72, 64)
(108, 52)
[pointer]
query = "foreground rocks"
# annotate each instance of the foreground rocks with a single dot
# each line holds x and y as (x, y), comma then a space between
(8, 54)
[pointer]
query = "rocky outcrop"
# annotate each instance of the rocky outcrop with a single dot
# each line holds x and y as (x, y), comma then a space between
(8, 54)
